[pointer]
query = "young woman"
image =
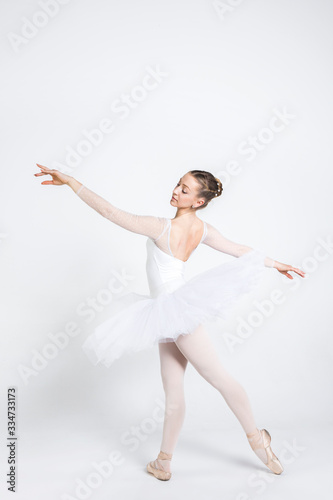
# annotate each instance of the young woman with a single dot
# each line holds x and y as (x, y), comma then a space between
(172, 316)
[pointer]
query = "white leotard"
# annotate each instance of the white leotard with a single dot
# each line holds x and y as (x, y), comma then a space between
(164, 271)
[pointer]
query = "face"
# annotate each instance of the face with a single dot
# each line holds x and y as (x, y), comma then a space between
(185, 193)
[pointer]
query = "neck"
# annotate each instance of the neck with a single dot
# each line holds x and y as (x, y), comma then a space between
(188, 212)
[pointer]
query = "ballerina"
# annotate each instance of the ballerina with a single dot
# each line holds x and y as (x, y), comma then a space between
(174, 313)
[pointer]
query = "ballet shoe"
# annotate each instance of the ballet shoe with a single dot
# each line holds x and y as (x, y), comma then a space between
(157, 469)
(271, 460)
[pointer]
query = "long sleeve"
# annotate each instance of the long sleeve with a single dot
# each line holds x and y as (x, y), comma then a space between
(219, 242)
(147, 225)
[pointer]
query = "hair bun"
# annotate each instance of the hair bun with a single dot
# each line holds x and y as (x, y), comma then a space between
(219, 188)
(209, 186)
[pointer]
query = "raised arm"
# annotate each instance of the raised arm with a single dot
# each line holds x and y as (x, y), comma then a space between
(219, 242)
(147, 225)
(216, 240)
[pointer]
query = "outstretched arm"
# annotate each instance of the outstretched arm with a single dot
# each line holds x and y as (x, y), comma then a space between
(219, 242)
(147, 225)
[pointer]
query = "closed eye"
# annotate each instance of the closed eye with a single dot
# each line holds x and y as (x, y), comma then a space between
(185, 192)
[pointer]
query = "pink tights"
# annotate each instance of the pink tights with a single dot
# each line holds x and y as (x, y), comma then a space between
(198, 349)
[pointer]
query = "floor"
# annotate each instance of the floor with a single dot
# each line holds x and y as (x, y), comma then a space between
(207, 464)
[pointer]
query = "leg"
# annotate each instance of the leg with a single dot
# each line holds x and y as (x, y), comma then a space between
(199, 350)
(173, 365)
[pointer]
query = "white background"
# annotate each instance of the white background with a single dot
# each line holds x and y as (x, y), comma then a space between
(226, 71)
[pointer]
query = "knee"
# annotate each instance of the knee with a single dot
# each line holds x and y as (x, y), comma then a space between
(214, 378)
(172, 381)
(173, 387)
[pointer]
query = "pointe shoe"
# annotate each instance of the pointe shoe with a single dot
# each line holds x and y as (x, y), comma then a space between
(157, 469)
(273, 462)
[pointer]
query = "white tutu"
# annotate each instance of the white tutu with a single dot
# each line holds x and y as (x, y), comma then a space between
(142, 321)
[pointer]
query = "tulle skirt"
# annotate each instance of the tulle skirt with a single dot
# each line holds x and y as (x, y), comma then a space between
(142, 321)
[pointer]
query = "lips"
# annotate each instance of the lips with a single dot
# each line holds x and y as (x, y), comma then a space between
(173, 198)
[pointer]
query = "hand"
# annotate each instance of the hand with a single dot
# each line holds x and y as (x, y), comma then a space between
(58, 178)
(284, 268)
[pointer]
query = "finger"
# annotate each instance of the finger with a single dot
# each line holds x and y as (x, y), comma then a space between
(47, 182)
(41, 173)
(42, 167)
(298, 271)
